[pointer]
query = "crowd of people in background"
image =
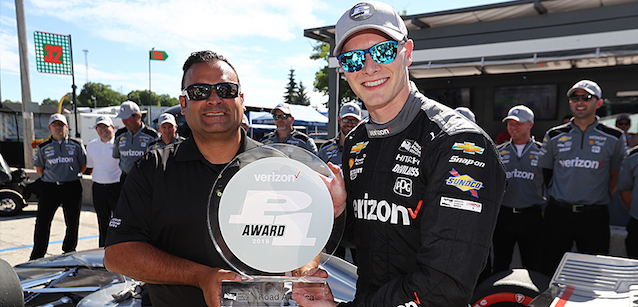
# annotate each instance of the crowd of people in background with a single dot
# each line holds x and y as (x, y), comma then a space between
(557, 195)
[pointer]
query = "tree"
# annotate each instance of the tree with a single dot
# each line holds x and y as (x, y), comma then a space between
(290, 96)
(9, 101)
(142, 98)
(168, 101)
(322, 52)
(302, 97)
(99, 94)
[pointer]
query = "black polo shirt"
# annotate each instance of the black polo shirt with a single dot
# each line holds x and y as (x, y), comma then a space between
(164, 203)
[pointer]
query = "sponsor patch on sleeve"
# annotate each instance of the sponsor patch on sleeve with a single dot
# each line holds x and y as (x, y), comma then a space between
(461, 204)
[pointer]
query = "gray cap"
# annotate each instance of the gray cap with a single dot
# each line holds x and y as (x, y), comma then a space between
(623, 116)
(284, 107)
(127, 109)
(59, 117)
(467, 113)
(520, 113)
(589, 86)
(103, 119)
(166, 118)
(369, 15)
(350, 109)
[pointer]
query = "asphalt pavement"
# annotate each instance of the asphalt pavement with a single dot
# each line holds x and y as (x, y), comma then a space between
(16, 233)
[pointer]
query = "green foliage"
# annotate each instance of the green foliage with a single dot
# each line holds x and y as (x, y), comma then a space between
(51, 102)
(9, 101)
(168, 101)
(322, 52)
(295, 94)
(99, 94)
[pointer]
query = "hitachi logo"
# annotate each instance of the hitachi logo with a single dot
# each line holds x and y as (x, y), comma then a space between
(60, 160)
(132, 153)
(520, 174)
(577, 162)
(408, 159)
(375, 210)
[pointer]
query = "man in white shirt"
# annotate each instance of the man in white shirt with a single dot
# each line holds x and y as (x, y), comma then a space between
(106, 173)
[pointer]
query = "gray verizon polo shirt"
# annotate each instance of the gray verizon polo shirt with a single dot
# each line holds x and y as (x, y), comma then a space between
(61, 160)
(628, 179)
(524, 177)
(129, 147)
(582, 162)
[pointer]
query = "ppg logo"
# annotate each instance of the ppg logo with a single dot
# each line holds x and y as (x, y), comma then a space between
(403, 186)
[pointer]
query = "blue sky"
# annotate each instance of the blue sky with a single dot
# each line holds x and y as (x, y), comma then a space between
(262, 39)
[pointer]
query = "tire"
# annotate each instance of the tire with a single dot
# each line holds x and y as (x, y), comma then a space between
(10, 204)
(510, 288)
(10, 287)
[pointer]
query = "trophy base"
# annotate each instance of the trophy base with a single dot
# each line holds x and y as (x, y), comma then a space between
(271, 290)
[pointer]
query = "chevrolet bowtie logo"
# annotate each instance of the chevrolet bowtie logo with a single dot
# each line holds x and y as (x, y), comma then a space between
(468, 148)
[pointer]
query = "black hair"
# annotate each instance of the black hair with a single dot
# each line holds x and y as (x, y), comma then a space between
(205, 56)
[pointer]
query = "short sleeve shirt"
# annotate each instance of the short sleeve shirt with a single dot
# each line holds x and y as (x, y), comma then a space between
(628, 179)
(524, 177)
(582, 162)
(165, 204)
(129, 147)
(100, 159)
(61, 160)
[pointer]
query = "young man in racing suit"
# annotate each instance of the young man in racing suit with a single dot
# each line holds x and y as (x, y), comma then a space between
(423, 183)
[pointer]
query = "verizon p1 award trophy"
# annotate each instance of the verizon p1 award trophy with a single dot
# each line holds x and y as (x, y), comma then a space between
(270, 214)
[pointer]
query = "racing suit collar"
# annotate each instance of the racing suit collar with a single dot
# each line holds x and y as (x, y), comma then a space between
(401, 121)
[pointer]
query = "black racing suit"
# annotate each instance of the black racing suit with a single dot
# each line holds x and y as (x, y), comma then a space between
(424, 192)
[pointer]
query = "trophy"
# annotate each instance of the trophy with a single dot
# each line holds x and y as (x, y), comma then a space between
(269, 214)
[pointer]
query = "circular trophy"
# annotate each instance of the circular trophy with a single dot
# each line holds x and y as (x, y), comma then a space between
(270, 212)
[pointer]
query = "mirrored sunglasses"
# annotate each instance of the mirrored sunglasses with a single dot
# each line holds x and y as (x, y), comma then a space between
(382, 53)
(584, 97)
(281, 116)
(201, 91)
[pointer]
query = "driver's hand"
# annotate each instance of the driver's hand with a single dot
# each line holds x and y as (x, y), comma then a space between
(337, 187)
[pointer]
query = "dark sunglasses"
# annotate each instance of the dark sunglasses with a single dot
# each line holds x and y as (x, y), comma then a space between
(382, 53)
(201, 91)
(281, 116)
(623, 124)
(584, 97)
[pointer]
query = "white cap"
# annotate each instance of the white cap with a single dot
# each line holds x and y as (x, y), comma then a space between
(520, 114)
(284, 107)
(127, 109)
(102, 119)
(166, 118)
(589, 86)
(58, 117)
(369, 15)
(350, 109)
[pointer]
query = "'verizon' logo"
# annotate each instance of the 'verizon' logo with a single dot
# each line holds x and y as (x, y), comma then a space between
(515, 173)
(60, 160)
(580, 163)
(274, 177)
(379, 132)
(383, 211)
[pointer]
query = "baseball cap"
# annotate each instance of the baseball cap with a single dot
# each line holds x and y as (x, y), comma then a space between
(57, 116)
(369, 15)
(621, 117)
(350, 109)
(166, 118)
(520, 113)
(589, 86)
(103, 120)
(127, 109)
(284, 107)
(467, 113)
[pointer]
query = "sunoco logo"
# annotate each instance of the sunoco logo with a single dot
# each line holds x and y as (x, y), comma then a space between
(580, 163)
(464, 183)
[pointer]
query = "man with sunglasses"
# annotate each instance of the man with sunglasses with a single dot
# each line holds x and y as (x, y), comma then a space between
(580, 162)
(424, 184)
(285, 132)
(349, 117)
(132, 140)
(60, 162)
(623, 122)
